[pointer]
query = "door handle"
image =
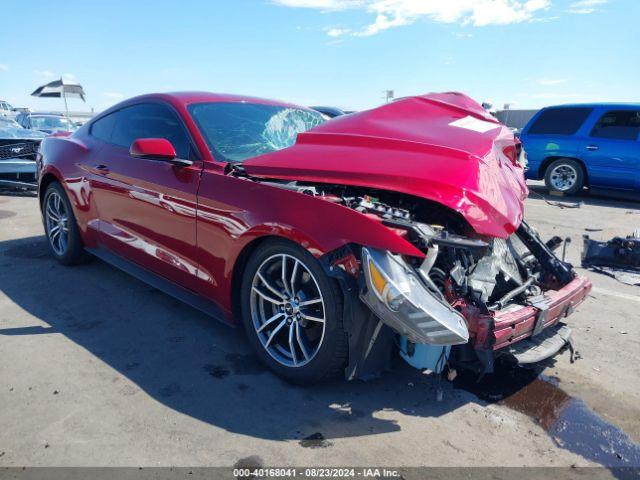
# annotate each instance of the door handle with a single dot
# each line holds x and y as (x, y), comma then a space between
(592, 147)
(102, 169)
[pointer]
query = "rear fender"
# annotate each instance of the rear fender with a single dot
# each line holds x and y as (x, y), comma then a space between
(62, 160)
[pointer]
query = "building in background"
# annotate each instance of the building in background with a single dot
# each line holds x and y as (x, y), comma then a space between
(515, 119)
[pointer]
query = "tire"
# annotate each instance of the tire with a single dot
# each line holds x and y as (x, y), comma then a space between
(321, 349)
(66, 246)
(565, 176)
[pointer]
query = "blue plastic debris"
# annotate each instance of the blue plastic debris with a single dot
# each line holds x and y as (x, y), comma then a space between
(423, 356)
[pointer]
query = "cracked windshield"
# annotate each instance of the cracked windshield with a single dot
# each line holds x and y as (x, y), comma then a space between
(237, 131)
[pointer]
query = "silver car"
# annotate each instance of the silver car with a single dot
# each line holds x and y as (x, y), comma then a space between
(18, 149)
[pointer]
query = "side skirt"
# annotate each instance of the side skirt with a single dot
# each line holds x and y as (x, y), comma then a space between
(166, 286)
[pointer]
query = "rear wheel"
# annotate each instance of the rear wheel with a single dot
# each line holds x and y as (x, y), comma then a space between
(564, 175)
(61, 228)
(292, 313)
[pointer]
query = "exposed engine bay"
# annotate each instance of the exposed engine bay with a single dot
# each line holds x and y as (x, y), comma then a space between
(492, 272)
(454, 295)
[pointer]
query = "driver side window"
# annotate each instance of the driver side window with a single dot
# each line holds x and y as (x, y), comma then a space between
(150, 120)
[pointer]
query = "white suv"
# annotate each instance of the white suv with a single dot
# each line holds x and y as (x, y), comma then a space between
(6, 110)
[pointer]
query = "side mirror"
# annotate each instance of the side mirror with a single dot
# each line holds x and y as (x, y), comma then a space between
(157, 149)
(153, 148)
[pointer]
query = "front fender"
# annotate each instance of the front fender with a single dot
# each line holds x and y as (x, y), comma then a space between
(234, 212)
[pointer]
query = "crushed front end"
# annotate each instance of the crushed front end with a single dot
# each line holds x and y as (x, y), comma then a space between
(472, 299)
(446, 177)
(469, 300)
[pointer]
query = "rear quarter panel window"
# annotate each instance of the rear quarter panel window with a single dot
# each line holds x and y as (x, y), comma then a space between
(560, 121)
(618, 125)
(103, 127)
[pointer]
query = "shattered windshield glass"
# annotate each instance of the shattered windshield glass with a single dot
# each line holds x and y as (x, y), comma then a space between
(237, 131)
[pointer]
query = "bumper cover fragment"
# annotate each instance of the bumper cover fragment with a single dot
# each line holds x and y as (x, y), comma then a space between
(545, 345)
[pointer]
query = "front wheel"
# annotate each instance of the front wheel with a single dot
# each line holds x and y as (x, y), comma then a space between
(292, 313)
(564, 175)
(61, 228)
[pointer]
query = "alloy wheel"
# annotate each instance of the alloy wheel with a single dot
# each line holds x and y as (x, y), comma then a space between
(563, 177)
(287, 310)
(57, 222)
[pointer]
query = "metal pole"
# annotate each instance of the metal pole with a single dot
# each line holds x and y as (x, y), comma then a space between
(66, 108)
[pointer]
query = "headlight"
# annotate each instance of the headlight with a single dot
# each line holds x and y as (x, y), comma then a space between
(400, 300)
(385, 289)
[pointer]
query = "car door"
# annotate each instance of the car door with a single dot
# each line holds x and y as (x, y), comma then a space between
(553, 133)
(612, 149)
(147, 207)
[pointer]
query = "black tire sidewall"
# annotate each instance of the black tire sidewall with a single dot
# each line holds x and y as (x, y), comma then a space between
(75, 249)
(573, 164)
(331, 358)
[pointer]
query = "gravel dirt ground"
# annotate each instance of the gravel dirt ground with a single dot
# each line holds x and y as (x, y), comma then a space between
(99, 369)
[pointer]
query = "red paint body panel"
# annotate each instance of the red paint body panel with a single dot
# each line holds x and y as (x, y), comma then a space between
(233, 212)
(410, 146)
(147, 212)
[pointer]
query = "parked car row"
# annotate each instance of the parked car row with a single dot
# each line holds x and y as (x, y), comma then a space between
(21, 132)
(7, 110)
(46, 122)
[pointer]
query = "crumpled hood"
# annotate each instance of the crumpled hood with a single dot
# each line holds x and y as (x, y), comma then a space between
(442, 147)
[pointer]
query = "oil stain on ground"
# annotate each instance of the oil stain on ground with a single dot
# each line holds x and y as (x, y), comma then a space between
(245, 364)
(247, 464)
(568, 421)
(315, 440)
(216, 371)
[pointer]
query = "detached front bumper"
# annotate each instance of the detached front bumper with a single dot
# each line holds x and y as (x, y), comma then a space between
(545, 345)
(518, 322)
(530, 332)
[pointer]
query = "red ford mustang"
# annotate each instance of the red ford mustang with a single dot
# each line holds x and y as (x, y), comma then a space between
(334, 242)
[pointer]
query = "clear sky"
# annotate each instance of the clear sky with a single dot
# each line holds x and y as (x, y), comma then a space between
(333, 52)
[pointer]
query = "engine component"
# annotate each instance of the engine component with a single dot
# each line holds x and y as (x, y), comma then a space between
(495, 273)
(429, 260)
(512, 294)
(369, 204)
(618, 252)
(561, 270)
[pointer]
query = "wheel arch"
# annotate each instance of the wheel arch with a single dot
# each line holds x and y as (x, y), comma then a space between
(46, 180)
(542, 171)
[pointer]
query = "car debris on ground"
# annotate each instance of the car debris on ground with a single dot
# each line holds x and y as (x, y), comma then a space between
(618, 258)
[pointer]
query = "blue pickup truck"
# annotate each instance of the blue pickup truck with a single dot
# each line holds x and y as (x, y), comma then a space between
(594, 145)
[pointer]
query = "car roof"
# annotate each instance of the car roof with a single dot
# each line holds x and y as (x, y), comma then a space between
(186, 98)
(595, 105)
